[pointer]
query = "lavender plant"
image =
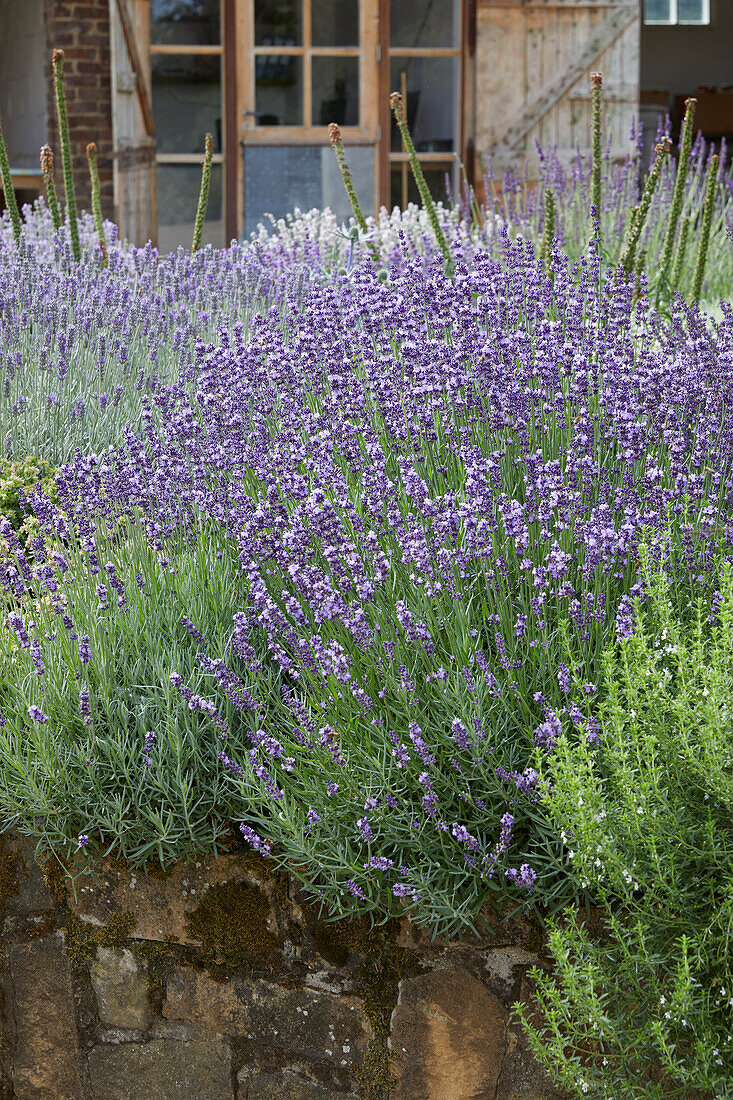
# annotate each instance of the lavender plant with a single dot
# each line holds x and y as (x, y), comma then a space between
(409, 486)
(645, 813)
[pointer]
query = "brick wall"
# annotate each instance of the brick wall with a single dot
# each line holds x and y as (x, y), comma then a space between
(81, 29)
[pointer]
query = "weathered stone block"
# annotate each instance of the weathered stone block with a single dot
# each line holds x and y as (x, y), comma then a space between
(159, 905)
(285, 1086)
(311, 1025)
(448, 1033)
(162, 1069)
(46, 1056)
(32, 894)
(122, 991)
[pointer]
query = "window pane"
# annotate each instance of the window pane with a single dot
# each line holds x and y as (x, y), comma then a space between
(690, 11)
(657, 11)
(178, 194)
(279, 90)
(432, 101)
(421, 23)
(186, 102)
(335, 23)
(185, 22)
(278, 23)
(434, 177)
(277, 178)
(335, 91)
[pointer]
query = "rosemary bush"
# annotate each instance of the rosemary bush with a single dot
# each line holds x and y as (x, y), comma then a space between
(645, 811)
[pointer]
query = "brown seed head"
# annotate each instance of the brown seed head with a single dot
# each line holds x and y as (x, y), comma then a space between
(596, 78)
(92, 149)
(395, 102)
(334, 133)
(58, 56)
(46, 158)
(690, 105)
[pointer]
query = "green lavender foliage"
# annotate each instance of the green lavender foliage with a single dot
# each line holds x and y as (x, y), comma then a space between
(96, 200)
(395, 102)
(645, 814)
(707, 220)
(678, 194)
(50, 185)
(7, 182)
(334, 134)
(627, 258)
(198, 228)
(63, 121)
(596, 80)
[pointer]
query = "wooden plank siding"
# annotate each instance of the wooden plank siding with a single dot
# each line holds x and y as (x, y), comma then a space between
(533, 64)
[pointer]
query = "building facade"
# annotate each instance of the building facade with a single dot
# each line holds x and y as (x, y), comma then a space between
(146, 79)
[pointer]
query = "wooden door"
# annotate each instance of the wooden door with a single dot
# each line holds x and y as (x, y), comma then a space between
(133, 129)
(533, 60)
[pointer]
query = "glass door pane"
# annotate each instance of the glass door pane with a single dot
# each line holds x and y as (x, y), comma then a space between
(279, 178)
(422, 24)
(186, 101)
(278, 22)
(334, 23)
(184, 23)
(432, 102)
(335, 95)
(279, 90)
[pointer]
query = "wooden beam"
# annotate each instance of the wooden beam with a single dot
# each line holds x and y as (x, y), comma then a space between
(610, 29)
(231, 146)
(141, 77)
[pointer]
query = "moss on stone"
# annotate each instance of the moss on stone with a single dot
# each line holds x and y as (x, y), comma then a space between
(379, 986)
(82, 938)
(9, 877)
(160, 958)
(231, 924)
(335, 939)
(116, 933)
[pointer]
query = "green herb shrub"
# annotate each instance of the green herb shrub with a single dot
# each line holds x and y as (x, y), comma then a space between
(646, 815)
(24, 475)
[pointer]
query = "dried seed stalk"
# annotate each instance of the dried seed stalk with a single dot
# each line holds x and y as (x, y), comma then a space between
(679, 189)
(635, 228)
(7, 182)
(334, 134)
(681, 253)
(707, 219)
(198, 227)
(596, 80)
(96, 199)
(50, 185)
(63, 121)
(395, 102)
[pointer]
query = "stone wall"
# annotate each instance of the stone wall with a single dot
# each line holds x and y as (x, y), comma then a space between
(81, 29)
(218, 981)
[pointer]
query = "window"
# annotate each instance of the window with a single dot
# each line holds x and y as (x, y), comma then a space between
(676, 12)
(307, 60)
(186, 67)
